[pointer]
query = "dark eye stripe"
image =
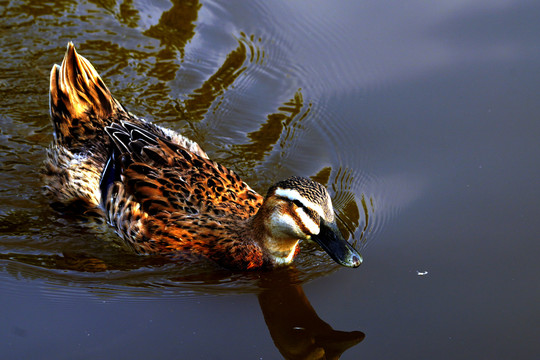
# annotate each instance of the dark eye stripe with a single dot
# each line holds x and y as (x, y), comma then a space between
(311, 213)
(295, 202)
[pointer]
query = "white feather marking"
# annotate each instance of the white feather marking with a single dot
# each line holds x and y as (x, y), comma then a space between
(308, 221)
(292, 195)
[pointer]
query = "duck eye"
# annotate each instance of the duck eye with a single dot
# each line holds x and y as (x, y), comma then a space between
(298, 203)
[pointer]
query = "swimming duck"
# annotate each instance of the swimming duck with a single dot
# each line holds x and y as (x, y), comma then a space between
(162, 193)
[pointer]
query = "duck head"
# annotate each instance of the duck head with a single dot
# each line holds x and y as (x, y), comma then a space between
(301, 209)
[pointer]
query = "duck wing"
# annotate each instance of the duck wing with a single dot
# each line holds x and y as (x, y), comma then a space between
(155, 183)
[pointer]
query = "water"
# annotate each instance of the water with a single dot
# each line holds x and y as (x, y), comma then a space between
(420, 118)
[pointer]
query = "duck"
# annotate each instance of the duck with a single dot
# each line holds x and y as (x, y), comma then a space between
(162, 193)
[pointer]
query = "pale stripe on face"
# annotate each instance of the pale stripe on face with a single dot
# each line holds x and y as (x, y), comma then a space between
(294, 195)
(308, 222)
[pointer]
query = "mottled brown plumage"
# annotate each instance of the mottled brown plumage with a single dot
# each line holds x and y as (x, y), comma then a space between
(162, 193)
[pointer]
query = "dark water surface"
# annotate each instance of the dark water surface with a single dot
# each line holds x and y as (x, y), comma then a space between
(422, 119)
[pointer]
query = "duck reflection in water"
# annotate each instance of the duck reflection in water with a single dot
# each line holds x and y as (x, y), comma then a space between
(298, 332)
(296, 329)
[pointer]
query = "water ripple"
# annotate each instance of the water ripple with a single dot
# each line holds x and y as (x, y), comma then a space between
(252, 93)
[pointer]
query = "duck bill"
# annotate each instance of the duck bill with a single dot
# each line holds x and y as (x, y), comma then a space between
(331, 241)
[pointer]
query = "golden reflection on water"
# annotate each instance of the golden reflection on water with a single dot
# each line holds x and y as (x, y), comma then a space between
(262, 141)
(128, 15)
(198, 103)
(176, 26)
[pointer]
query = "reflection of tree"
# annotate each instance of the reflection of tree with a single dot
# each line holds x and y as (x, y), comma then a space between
(202, 98)
(175, 28)
(128, 14)
(277, 125)
(37, 9)
(176, 25)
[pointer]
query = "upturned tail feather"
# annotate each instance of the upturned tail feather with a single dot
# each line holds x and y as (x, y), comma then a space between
(82, 107)
(81, 104)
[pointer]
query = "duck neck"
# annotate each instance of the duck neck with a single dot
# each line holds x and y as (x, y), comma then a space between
(280, 249)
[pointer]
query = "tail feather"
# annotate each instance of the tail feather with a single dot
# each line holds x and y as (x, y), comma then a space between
(81, 163)
(80, 102)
